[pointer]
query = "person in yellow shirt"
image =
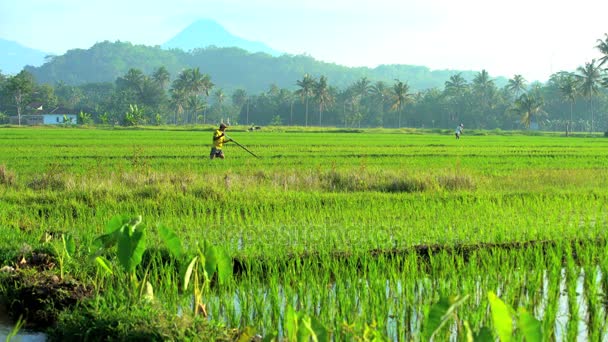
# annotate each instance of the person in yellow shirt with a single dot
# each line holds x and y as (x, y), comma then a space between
(219, 138)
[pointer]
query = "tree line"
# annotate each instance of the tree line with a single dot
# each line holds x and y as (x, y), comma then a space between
(568, 101)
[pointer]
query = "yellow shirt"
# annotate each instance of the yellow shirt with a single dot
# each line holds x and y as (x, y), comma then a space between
(218, 139)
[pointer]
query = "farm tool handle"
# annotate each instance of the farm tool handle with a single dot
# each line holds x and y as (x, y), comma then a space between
(243, 147)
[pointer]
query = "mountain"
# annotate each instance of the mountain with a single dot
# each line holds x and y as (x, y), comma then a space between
(229, 68)
(204, 33)
(14, 56)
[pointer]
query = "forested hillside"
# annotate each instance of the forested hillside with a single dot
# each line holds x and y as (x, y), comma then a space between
(229, 68)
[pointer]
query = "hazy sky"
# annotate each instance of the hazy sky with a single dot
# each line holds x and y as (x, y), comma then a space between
(534, 38)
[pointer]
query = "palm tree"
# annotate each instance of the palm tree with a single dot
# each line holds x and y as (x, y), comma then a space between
(529, 107)
(484, 89)
(161, 76)
(239, 98)
(178, 100)
(401, 96)
(602, 45)
(306, 85)
(517, 85)
(568, 87)
(456, 88)
(360, 89)
(456, 85)
(589, 78)
(133, 79)
(195, 106)
(379, 92)
(219, 98)
(323, 96)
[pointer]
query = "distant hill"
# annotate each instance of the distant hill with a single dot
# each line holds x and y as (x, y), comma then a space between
(14, 56)
(229, 68)
(204, 33)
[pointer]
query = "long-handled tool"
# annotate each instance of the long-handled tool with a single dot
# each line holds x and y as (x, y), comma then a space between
(243, 147)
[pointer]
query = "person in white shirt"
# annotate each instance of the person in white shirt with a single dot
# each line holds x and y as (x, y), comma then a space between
(459, 130)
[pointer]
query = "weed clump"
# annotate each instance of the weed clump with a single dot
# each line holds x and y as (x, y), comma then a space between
(7, 177)
(406, 185)
(456, 182)
(207, 193)
(48, 181)
(336, 181)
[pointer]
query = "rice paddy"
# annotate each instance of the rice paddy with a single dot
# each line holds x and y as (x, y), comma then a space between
(341, 235)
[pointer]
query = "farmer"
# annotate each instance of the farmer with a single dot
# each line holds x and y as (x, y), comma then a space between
(219, 138)
(459, 130)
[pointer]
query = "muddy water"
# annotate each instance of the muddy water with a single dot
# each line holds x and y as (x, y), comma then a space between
(23, 335)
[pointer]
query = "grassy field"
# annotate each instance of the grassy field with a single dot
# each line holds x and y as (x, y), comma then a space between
(358, 232)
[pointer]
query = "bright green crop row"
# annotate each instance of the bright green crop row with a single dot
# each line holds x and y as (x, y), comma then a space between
(326, 195)
(309, 190)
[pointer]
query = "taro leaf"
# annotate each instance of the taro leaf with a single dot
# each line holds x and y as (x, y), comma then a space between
(210, 260)
(435, 316)
(248, 334)
(484, 335)
(69, 246)
(188, 273)
(269, 337)
(104, 264)
(503, 322)
(319, 329)
(107, 240)
(116, 223)
(224, 265)
(291, 324)
(440, 313)
(468, 332)
(305, 330)
(113, 230)
(131, 247)
(171, 240)
(529, 326)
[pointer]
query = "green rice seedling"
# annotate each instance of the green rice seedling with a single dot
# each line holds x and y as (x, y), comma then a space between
(67, 250)
(15, 330)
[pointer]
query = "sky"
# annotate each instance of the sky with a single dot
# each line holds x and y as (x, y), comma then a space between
(533, 38)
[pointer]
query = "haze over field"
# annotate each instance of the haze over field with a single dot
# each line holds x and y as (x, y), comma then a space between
(534, 39)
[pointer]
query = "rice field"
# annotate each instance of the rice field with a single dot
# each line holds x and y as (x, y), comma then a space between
(342, 235)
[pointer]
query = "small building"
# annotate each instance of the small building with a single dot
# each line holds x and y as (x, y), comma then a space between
(44, 119)
(57, 116)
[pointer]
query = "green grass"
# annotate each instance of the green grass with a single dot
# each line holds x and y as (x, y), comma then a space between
(325, 194)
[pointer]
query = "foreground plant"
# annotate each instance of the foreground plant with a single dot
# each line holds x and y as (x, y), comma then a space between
(503, 319)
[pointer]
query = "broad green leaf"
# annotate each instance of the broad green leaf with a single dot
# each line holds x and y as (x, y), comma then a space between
(131, 247)
(305, 331)
(224, 265)
(484, 335)
(107, 241)
(247, 335)
(530, 327)
(210, 261)
(104, 264)
(68, 244)
(435, 318)
(468, 332)
(171, 240)
(188, 273)
(319, 329)
(116, 223)
(291, 324)
(440, 313)
(270, 337)
(503, 322)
